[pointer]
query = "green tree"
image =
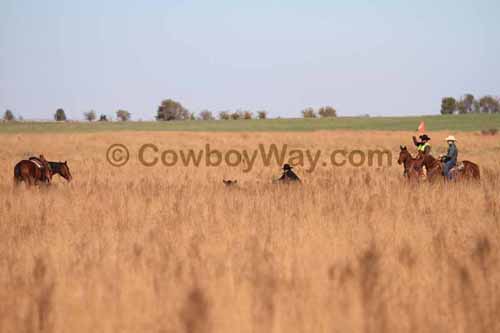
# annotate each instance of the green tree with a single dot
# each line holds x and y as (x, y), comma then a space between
(172, 110)
(448, 105)
(224, 115)
(205, 115)
(262, 114)
(123, 115)
(309, 113)
(475, 106)
(90, 115)
(466, 104)
(488, 104)
(60, 115)
(236, 115)
(327, 111)
(468, 101)
(461, 107)
(103, 117)
(247, 115)
(8, 116)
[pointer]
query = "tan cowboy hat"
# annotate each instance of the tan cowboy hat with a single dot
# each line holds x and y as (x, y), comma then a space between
(450, 138)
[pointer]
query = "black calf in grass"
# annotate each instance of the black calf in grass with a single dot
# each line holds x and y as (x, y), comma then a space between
(230, 182)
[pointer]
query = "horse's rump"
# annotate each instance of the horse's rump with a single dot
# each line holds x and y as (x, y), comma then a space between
(472, 169)
(28, 171)
(467, 170)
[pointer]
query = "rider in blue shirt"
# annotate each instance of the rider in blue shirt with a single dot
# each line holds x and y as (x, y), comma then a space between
(450, 159)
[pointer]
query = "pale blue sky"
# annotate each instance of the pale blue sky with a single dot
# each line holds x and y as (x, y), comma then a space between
(376, 57)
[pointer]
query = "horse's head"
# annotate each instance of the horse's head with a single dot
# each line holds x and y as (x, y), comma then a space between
(65, 173)
(62, 169)
(404, 154)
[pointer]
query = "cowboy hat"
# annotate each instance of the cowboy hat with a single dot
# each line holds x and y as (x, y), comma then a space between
(287, 166)
(450, 138)
(424, 137)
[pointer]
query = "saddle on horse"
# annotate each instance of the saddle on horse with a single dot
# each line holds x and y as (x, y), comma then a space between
(459, 166)
(43, 165)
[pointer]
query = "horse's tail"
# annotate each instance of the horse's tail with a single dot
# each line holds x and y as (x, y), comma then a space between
(17, 174)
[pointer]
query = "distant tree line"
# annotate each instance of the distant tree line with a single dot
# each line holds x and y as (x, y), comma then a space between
(121, 115)
(170, 110)
(469, 104)
(60, 115)
(323, 112)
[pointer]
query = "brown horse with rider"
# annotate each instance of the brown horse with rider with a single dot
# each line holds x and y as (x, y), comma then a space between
(467, 170)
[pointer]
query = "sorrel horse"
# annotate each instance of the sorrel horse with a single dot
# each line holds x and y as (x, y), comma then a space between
(412, 166)
(30, 172)
(467, 170)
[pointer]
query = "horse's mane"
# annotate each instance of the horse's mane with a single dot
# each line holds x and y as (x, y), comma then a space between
(430, 161)
(55, 166)
(429, 157)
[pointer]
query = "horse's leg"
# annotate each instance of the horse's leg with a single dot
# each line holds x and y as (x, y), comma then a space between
(38, 176)
(414, 177)
(24, 176)
(430, 175)
(436, 173)
(440, 172)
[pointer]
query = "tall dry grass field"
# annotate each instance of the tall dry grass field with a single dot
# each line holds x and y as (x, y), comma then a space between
(138, 249)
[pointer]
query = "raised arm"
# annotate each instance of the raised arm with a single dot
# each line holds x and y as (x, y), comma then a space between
(415, 142)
